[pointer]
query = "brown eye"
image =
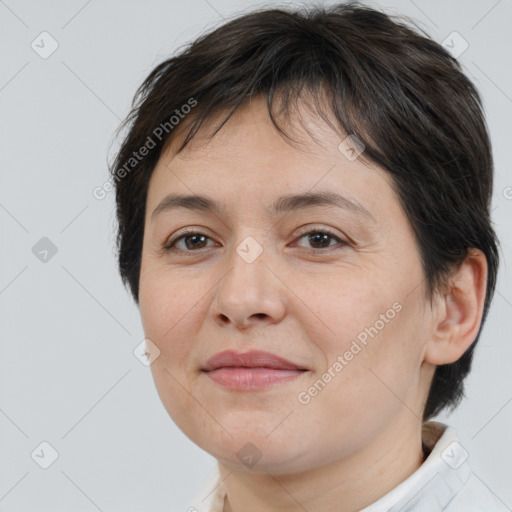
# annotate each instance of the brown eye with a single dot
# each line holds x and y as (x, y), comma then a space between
(320, 240)
(191, 241)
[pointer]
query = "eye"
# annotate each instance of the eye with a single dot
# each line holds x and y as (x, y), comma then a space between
(322, 237)
(192, 240)
(195, 240)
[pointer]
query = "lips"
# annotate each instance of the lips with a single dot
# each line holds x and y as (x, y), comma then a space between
(253, 359)
(250, 371)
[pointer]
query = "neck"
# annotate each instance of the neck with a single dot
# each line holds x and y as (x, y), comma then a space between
(349, 484)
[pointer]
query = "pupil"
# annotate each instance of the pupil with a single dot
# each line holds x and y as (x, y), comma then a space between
(321, 236)
(194, 237)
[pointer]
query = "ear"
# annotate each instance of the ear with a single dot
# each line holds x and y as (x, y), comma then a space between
(458, 312)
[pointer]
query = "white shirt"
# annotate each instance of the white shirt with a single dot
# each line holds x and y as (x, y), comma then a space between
(444, 482)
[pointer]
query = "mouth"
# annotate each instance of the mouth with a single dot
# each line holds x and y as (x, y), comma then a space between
(250, 370)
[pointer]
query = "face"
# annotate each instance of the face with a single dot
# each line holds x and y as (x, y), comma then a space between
(336, 289)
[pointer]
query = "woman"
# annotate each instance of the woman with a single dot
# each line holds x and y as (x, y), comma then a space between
(303, 205)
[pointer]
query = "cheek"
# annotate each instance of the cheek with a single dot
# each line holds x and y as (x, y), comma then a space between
(170, 321)
(169, 312)
(368, 337)
(346, 309)
(379, 366)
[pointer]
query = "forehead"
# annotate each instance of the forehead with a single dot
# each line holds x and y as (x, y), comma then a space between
(248, 158)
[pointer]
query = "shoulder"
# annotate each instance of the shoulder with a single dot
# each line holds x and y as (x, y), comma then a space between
(467, 491)
(476, 496)
(210, 497)
(445, 481)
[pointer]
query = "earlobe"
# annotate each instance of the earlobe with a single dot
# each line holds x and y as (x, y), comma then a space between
(457, 315)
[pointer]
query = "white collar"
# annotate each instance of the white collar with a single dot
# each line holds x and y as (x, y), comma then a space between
(431, 487)
(436, 482)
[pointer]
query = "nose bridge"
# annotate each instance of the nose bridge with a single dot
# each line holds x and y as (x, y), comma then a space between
(249, 290)
(246, 279)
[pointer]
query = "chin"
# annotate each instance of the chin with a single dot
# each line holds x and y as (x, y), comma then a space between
(253, 452)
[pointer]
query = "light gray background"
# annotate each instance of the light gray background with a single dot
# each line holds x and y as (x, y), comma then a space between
(68, 327)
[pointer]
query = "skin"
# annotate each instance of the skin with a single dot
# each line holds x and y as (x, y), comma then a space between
(360, 436)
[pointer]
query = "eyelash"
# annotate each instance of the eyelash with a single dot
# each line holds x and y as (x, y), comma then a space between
(169, 245)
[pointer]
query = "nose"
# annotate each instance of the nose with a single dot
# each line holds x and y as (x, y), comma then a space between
(250, 293)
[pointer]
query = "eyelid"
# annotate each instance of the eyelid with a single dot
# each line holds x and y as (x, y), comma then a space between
(304, 230)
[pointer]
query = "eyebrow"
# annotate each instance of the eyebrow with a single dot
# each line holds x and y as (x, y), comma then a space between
(283, 204)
